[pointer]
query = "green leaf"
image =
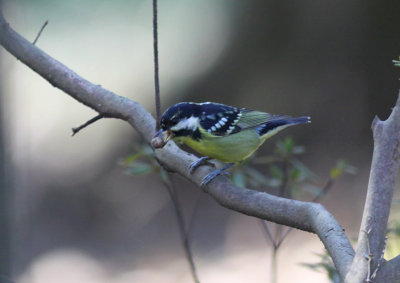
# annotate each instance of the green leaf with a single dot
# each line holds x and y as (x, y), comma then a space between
(396, 62)
(289, 144)
(276, 172)
(312, 266)
(139, 168)
(340, 168)
(303, 169)
(128, 160)
(325, 264)
(239, 179)
(336, 173)
(295, 174)
(287, 147)
(282, 148)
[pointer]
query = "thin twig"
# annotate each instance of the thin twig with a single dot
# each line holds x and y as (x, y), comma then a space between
(181, 223)
(381, 259)
(369, 256)
(40, 32)
(267, 232)
(283, 237)
(324, 190)
(322, 193)
(275, 250)
(91, 121)
(278, 238)
(274, 266)
(156, 77)
(283, 192)
(193, 215)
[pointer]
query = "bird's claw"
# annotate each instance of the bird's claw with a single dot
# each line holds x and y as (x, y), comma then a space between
(199, 162)
(207, 179)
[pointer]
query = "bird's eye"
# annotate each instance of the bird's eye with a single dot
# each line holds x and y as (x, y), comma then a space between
(174, 120)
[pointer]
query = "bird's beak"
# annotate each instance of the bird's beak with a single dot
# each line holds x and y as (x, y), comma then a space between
(161, 138)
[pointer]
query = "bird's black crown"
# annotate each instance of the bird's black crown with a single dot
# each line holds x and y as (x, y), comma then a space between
(178, 112)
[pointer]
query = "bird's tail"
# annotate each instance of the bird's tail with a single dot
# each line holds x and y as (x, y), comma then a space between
(278, 123)
(298, 120)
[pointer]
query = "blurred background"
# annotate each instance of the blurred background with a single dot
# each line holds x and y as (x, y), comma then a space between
(73, 213)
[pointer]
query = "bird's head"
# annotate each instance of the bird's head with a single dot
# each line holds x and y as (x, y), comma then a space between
(179, 120)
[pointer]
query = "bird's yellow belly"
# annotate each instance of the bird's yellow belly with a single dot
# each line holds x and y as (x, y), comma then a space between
(230, 149)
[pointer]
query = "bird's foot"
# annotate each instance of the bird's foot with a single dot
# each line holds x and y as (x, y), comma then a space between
(207, 179)
(199, 162)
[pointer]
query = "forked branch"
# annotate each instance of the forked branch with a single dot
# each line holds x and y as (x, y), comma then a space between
(384, 169)
(302, 215)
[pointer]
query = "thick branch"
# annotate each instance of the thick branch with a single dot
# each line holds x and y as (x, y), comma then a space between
(302, 215)
(384, 169)
(389, 271)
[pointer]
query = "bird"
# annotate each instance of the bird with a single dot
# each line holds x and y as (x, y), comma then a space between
(218, 131)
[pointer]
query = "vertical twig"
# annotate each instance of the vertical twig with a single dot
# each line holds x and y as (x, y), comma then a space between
(279, 236)
(274, 266)
(156, 77)
(169, 187)
(283, 192)
(278, 228)
(268, 233)
(193, 216)
(274, 257)
(182, 230)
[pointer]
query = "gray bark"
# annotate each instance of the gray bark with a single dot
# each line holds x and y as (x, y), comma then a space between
(305, 216)
(384, 169)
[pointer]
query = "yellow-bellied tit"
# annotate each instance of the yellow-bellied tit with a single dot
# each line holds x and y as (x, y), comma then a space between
(219, 131)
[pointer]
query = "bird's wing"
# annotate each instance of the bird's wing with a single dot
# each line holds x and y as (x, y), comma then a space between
(219, 119)
(251, 118)
(222, 120)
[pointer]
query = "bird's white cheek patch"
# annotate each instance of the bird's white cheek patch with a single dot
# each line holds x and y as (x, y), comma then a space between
(189, 123)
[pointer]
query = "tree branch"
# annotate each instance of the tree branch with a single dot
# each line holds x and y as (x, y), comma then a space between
(87, 123)
(384, 169)
(181, 225)
(305, 216)
(40, 32)
(389, 271)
